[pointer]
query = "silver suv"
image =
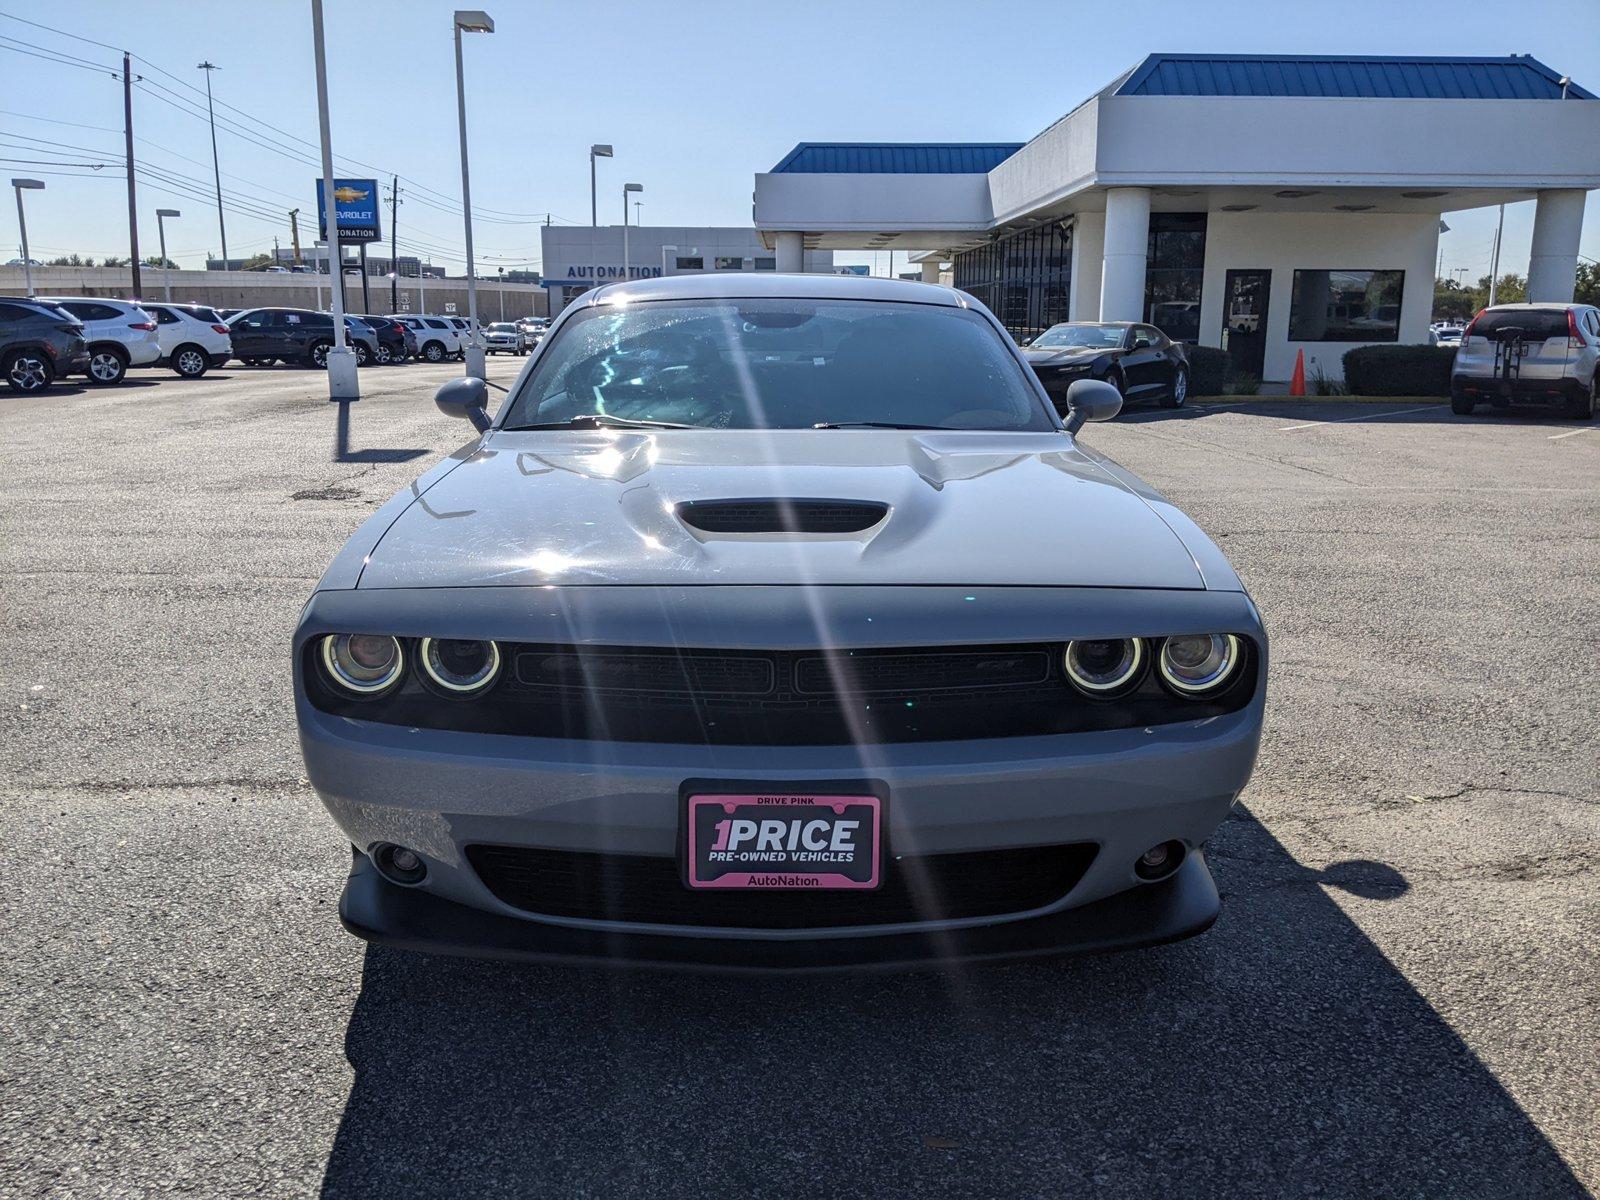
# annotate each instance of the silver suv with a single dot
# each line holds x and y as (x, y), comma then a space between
(1539, 353)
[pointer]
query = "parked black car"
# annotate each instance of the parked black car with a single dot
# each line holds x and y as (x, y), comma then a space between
(261, 336)
(396, 343)
(39, 343)
(1138, 360)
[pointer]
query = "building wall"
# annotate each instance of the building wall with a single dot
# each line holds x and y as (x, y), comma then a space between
(572, 253)
(255, 289)
(1284, 242)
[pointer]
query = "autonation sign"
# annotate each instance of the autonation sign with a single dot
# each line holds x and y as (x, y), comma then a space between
(356, 202)
(607, 271)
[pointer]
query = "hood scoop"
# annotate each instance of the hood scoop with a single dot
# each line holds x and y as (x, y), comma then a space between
(781, 515)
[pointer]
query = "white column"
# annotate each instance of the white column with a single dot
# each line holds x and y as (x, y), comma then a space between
(930, 270)
(1088, 261)
(1553, 263)
(1127, 240)
(791, 249)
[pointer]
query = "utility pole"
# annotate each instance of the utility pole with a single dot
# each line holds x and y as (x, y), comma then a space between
(216, 167)
(394, 254)
(1494, 260)
(294, 233)
(276, 254)
(133, 204)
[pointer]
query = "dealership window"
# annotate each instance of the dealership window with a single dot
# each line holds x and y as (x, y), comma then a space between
(1345, 306)
(1022, 278)
(1174, 270)
(729, 263)
(691, 264)
(766, 264)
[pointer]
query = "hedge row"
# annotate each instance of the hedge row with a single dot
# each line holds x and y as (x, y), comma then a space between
(1398, 370)
(1209, 369)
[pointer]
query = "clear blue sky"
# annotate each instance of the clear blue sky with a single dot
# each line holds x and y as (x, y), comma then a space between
(696, 96)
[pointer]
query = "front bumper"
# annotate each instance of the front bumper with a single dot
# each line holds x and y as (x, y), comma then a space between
(439, 792)
(409, 918)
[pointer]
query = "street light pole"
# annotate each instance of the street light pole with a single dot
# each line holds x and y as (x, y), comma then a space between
(161, 233)
(25, 185)
(343, 383)
(502, 293)
(216, 166)
(472, 20)
(595, 151)
(626, 189)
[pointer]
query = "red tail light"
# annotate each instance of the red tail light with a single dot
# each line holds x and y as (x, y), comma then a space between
(145, 325)
(221, 329)
(1467, 332)
(1574, 336)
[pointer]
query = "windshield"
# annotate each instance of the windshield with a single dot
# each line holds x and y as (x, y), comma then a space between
(503, 326)
(780, 364)
(1099, 337)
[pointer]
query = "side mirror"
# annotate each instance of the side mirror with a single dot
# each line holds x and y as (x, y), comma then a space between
(469, 398)
(1142, 342)
(1088, 400)
(1027, 341)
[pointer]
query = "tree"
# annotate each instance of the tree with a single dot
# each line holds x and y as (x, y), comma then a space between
(1588, 285)
(155, 260)
(70, 260)
(1453, 302)
(256, 262)
(113, 262)
(1512, 289)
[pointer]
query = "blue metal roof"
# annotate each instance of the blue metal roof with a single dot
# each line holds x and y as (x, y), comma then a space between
(895, 158)
(1516, 77)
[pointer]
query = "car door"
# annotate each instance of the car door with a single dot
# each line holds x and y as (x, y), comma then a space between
(167, 323)
(1143, 366)
(254, 336)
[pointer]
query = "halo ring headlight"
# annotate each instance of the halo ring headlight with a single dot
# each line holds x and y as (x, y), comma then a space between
(1198, 664)
(1104, 666)
(462, 667)
(362, 664)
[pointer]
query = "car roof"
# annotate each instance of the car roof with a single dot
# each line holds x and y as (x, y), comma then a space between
(750, 285)
(1535, 306)
(1101, 324)
(87, 300)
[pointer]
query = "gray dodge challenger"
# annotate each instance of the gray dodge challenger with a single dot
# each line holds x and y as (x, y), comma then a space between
(778, 622)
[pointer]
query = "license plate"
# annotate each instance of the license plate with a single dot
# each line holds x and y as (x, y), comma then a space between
(783, 841)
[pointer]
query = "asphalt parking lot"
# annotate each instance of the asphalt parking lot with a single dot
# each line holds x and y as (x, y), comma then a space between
(1399, 998)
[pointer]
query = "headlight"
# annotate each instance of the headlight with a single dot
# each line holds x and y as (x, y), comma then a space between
(1104, 666)
(460, 667)
(362, 663)
(1193, 665)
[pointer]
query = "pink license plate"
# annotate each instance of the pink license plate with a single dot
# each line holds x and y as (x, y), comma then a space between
(783, 842)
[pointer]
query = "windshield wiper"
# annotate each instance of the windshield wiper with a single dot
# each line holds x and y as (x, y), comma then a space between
(605, 421)
(872, 425)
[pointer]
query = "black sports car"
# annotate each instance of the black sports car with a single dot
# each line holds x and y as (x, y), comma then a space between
(1140, 361)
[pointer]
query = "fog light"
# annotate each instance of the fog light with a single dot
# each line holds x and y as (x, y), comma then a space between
(1160, 861)
(398, 864)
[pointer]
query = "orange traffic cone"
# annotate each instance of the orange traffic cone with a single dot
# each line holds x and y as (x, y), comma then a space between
(1297, 381)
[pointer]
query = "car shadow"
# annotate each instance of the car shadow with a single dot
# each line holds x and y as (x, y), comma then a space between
(1401, 411)
(1280, 1054)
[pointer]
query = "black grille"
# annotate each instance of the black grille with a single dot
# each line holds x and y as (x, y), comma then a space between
(781, 516)
(780, 697)
(648, 889)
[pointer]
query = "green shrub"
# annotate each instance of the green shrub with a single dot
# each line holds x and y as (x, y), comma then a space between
(1241, 385)
(1398, 370)
(1208, 369)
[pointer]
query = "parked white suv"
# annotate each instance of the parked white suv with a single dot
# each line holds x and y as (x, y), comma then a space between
(193, 338)
(437, 338)
(120, 335)
(1539, 353)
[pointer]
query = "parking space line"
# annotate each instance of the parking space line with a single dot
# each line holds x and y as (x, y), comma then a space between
(1556, 437)
(1362, 417)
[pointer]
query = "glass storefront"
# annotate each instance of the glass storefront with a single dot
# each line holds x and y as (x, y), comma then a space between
(1024, 277)
(1174, 270)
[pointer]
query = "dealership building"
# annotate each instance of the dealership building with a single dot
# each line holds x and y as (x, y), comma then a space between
(575, 256)
(1267, 204)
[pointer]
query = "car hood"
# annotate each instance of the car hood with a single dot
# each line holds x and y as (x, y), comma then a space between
(602, 507)
(1041, 356)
